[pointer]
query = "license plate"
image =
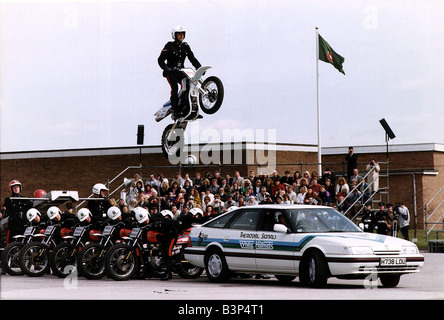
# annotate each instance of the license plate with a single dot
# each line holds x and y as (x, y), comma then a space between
(392, 261)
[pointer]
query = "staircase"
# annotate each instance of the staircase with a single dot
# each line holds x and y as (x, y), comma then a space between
(367, 195)
(434, 220)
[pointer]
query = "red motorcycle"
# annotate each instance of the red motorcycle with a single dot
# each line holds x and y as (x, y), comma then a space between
(143, 255)
(90, 260)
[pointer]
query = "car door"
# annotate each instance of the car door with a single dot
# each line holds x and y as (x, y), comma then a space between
(274, 250)
(239, 240)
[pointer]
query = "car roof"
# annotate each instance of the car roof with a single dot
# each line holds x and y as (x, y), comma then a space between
(284, 206)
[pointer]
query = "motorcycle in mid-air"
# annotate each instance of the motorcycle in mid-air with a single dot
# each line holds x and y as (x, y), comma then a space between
(195, 94)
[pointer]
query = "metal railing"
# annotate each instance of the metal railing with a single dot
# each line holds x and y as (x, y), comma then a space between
(363, 192)
(429, 216)
(109, 183)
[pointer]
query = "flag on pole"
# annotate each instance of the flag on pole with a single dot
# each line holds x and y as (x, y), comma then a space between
(327, 54)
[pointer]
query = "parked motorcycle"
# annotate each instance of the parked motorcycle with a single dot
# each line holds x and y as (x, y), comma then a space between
(142, 255)
(11, 252)
(195, 94)
(34, 256)
(90, 260)
(63, 259)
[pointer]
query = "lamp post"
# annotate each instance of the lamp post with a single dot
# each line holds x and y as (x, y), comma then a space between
(388, 135)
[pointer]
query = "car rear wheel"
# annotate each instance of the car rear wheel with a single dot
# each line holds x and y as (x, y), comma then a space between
(216, 266)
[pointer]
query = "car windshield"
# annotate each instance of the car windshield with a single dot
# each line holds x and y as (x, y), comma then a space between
(320, 220)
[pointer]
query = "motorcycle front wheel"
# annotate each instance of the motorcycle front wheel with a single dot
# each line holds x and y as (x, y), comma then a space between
(121, 263)
(211, 101)
(63, 260)
(10, 262)
(34, 259)
(91, 261)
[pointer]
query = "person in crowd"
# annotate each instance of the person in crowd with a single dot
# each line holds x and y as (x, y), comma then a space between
(368, 218)
(301, 195)
(352, 161)
(373, 177)
(342, 187)
(381, 222)
(404, 220)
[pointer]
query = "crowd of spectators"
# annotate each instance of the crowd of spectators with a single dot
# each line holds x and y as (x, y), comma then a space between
(214, 193)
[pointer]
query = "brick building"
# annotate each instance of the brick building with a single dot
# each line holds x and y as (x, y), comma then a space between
(414, 170)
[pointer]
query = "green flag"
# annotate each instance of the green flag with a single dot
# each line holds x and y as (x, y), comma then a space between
(327, 54)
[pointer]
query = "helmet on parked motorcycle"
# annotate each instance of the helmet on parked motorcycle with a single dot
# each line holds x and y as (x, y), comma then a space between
(196, 211)
(141, 214)
(167, 213)
(15, 183)
(39, 193)
(99, 187)
(32, 213)
(178, 29)
(113, 213)
(83, 214)
(53, 212)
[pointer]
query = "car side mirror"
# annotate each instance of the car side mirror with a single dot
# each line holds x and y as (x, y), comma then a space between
(280, 228)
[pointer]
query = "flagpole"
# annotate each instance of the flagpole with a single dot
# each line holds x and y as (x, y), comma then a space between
(318, 105)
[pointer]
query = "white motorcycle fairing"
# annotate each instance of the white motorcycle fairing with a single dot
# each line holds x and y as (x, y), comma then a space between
(195, 87)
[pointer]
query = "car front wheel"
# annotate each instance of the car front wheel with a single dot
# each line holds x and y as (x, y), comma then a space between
(314, 270)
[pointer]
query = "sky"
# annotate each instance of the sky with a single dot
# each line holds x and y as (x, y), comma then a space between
(84, 74)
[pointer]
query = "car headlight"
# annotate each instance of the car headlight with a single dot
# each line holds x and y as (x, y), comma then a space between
(412, 249)
(358, 250)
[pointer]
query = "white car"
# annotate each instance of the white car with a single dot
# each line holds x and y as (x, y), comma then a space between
(311, 242)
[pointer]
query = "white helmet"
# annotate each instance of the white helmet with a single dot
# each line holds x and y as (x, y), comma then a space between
(141, 214)
(231, 208)
(53, 212)
(83, 214)
(98, 187)
(167, 213)
(32, 213)
(196, 211)
(114, 212)
(178, 29)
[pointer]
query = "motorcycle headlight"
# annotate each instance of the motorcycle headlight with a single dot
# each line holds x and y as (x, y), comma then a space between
(358, 250)
(411, 249)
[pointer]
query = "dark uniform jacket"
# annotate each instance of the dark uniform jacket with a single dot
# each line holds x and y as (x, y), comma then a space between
(175, 53)
(16, 211)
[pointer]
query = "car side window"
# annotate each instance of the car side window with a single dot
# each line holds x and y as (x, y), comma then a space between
(246, 220)
(270, 218)
(219, 222)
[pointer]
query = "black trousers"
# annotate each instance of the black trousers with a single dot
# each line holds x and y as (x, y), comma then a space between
(174, 78)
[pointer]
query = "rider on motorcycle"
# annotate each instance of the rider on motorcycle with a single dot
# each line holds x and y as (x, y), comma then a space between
(175, 53)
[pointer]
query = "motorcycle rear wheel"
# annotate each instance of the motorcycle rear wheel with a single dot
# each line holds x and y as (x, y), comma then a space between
(121, 263)
(211, 101)
(172, 148)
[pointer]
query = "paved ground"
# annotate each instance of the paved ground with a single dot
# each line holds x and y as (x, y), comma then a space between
(428, 284)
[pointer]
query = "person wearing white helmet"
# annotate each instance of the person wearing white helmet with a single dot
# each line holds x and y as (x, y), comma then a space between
(16, 209)
(167, 214)
(99, 203)
(33, 216)
(174, 53)
(142, 215)
(54, 213)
